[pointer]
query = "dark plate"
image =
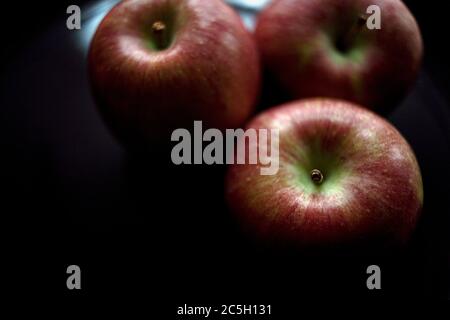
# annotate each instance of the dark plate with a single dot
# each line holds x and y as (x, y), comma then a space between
(144, 225)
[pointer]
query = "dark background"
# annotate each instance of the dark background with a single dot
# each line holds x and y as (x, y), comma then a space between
(139, 225)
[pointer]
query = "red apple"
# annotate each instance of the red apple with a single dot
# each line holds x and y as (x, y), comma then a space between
(157, 65)
(325, 48)
(345, 175)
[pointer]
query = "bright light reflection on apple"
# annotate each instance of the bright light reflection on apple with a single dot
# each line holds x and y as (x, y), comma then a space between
(249, 4)
(92, 16)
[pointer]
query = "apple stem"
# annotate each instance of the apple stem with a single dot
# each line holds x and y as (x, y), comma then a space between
(158, 29)
(346, 42)
(317, 176)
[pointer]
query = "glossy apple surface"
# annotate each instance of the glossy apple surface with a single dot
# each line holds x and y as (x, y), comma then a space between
(157, 65)
(323, 48)
(345, 176)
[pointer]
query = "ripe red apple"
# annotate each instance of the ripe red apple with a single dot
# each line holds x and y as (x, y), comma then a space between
(345, 175)
(324, 48)
(157, 65)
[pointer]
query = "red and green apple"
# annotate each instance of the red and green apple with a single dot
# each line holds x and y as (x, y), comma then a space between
(158, 65)
(346, 176)
(324, 48)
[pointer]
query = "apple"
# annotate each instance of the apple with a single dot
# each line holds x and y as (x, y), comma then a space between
(346, 176)
(325, 48)
(158, 65)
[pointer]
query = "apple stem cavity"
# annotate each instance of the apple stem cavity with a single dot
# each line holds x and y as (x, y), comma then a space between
(345, 42)
(159, 33)
(317, 176)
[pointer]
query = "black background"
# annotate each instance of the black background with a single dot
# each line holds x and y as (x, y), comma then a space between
(138, 225)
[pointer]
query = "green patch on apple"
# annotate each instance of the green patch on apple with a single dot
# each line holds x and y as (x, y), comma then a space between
(306, 53)
(342, 57)
(161, 29)
(313, 158)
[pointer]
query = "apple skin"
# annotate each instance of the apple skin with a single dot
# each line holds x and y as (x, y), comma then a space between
(372, 190)
(298, 41)
(205, 68)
